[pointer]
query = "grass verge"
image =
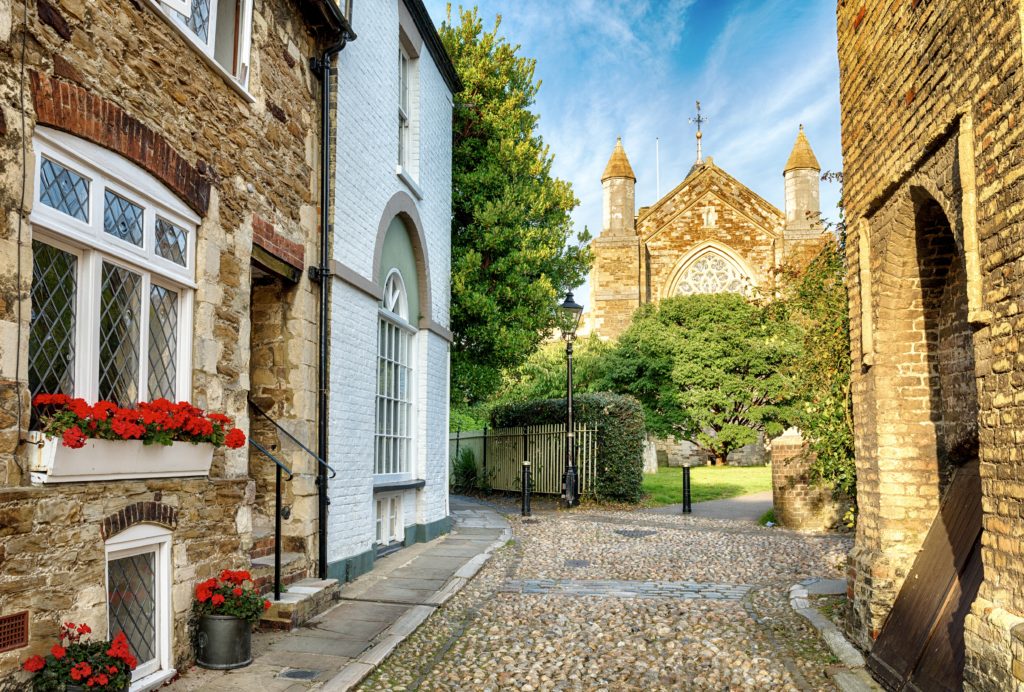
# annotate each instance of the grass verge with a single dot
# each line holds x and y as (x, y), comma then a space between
(706, 483)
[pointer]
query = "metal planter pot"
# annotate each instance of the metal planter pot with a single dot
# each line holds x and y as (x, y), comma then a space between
(223, 642)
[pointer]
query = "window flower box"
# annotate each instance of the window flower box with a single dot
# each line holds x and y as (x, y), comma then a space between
(105, 460)
(102, 441)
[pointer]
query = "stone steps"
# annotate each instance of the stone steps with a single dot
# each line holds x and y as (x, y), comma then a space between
(304, 600)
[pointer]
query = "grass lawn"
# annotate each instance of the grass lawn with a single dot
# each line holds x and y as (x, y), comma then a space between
(706, 483)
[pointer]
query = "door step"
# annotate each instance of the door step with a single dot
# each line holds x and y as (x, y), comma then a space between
(302, 601)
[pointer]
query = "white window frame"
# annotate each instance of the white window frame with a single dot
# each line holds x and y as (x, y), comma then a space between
(170, 11)
(137, 540)
(395, 316)
(93, 246)
(389, 518)
(404, 108)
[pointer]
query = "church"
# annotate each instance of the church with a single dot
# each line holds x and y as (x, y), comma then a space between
(711, 234)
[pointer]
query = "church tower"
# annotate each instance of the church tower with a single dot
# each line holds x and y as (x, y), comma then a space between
(615, 278)
(803, 175)
(619, 201)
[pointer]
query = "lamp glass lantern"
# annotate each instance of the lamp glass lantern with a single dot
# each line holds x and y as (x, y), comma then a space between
(572, 312)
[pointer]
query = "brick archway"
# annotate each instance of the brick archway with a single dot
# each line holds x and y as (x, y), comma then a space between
(139, 513)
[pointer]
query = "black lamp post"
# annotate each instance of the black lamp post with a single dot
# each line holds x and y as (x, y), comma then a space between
(570, 483)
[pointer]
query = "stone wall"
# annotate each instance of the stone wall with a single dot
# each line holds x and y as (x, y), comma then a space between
(117, 74)
(931, 99)
(800, 504)
(52, 559)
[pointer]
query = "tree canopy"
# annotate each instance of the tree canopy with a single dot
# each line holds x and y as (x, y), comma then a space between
(711, 369)
(511, 252)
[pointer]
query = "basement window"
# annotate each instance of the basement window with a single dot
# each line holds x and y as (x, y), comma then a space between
(139, 599)
(220, 29)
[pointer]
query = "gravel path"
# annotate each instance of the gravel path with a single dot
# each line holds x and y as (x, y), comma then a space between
(496, 634)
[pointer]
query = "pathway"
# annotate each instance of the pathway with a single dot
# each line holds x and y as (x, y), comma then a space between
(743, 508)
(628, 600)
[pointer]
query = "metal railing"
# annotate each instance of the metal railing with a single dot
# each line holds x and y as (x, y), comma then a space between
(277, 497)
(503, 450)
(277, 510)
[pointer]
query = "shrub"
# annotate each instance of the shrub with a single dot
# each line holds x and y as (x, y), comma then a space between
(464, 472)
(619, 421)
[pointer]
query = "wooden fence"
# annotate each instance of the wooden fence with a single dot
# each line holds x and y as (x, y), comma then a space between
(500, 453)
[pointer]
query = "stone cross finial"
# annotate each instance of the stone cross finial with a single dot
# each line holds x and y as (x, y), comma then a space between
(698, 121)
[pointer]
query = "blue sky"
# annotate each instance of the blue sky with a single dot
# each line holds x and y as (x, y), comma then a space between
(635, 68)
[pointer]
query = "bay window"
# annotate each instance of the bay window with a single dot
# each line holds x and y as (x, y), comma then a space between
(112, 277)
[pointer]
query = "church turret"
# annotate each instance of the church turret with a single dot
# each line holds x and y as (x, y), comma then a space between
(802, 174)
(619, 201)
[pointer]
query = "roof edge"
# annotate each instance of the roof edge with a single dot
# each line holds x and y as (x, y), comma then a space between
(428, 31)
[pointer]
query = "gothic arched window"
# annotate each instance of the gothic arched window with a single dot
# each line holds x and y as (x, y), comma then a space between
(713, 272)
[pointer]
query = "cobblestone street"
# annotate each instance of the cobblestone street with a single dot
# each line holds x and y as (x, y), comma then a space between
(608, 600)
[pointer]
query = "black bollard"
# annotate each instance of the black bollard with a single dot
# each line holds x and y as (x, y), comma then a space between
(526, 488)
(686, 490)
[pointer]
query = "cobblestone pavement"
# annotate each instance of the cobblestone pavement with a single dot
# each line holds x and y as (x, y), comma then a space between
(612, 600)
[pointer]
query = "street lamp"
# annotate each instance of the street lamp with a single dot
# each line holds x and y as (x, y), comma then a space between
(572, 311)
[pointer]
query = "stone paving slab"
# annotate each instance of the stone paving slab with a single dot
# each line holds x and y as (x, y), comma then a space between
(626, 589)
(340, 647)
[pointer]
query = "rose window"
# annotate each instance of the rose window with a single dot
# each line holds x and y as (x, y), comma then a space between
(712, 273)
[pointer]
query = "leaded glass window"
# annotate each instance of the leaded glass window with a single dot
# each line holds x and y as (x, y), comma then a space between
(171, 241)
(131, 602)
(713, 273)
(64, 190)
(199, 20)
(122, 219)
(163, 341)
(120, 317)
(51, 367)
(111, 296)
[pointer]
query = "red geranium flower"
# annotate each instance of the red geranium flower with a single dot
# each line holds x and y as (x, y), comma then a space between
(34, 664)
(58, 651)
(74, 437)
(266, 605)
(237, 591)
(217, 599)
(234, 439)
(84, 629)
(80, 671)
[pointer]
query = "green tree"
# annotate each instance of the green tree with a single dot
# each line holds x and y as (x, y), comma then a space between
(711, 369)
(816, 301)
(511, 255)
(542, 375)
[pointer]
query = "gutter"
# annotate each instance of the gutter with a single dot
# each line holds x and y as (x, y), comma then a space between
(321, 68)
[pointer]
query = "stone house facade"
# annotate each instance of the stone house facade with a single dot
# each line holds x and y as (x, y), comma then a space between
(160, 195)
(390, 269)
(932, 98)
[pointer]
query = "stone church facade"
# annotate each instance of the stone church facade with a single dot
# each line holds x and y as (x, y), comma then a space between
(710, 234)
(931, 97)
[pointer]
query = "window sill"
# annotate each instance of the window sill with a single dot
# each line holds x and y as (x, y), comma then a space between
(404, 484)
(404, 176)
(153, 680)
(213, 64)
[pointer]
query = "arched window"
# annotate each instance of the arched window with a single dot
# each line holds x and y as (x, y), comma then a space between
(393, 450)
(712, 272)
(112, 277)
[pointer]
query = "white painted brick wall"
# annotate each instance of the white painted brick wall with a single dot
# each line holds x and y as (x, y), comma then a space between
(367, 150)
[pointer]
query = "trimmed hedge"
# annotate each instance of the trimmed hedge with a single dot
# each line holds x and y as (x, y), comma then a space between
(620, 436)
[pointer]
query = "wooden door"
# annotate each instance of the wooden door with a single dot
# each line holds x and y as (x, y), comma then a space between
(921, 646)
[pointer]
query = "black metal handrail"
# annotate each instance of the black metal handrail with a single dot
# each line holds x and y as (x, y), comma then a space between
(294, 439)
(277, 511)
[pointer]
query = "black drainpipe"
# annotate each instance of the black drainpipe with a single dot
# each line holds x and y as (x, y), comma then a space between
(321, 67)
